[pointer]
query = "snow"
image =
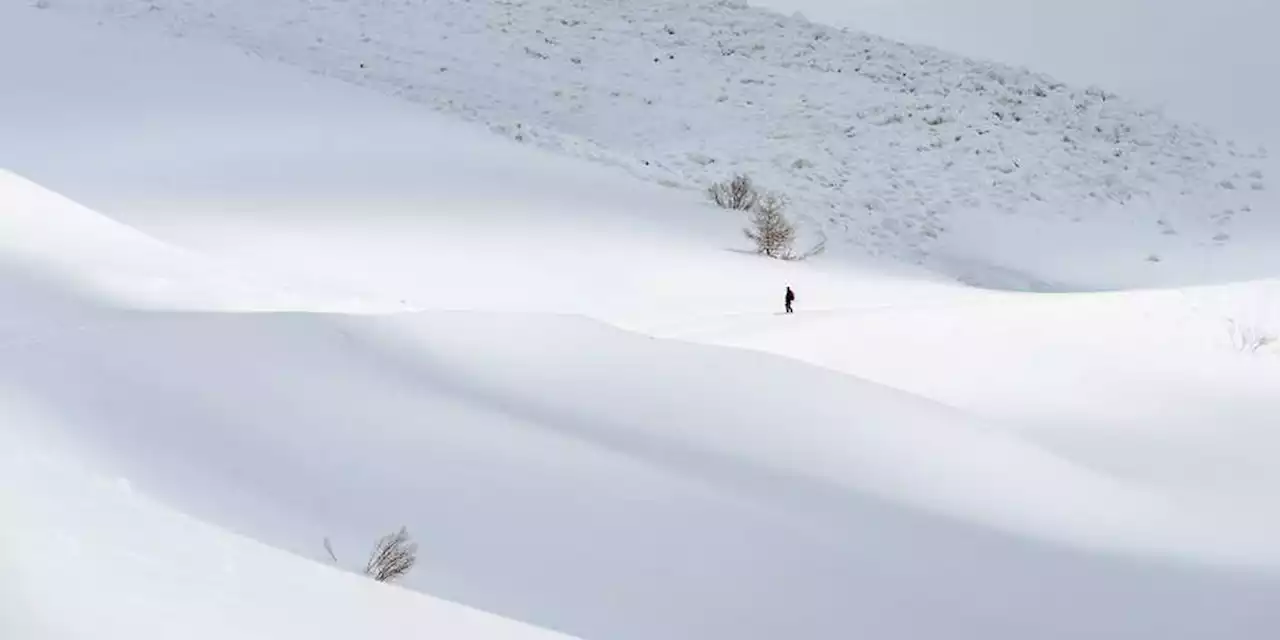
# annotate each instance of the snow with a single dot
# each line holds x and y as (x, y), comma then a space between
(1146, 385)
(887, 149)
(96, 559)
(517, 448)
(1203, 61)
(249, 309)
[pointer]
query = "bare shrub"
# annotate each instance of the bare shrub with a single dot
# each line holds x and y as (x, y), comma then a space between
(1247, 338)
(739, 194)
(393, 556)
(773, 234)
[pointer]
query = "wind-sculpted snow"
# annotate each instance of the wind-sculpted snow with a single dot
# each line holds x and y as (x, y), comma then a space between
(556, 471)
(253, 316)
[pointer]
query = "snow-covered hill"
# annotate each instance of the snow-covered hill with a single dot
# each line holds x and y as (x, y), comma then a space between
(1205, 61)
(556, 471)
(897, 150)
(88, 555)
(248, 308)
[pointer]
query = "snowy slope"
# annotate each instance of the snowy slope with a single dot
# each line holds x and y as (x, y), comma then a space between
(1206, 61)
(91, 557)
(588, 480)
(892, 456)
(103, 258)
(366, 197)
(896, 150)
(1159, 387)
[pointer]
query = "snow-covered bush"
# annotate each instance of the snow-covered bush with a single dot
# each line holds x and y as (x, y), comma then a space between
(1248, 338)
(392, 557)
(739, 193)
(773, 234)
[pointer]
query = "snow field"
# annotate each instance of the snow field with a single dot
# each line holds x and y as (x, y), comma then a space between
(893, 149)
(95, 558)
(320, 313)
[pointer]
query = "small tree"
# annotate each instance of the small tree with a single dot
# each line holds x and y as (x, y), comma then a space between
(773, 234)
(392, 557)
(739, 194)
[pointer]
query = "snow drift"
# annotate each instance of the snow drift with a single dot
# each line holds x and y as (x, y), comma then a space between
(548, 483)
(295, 310)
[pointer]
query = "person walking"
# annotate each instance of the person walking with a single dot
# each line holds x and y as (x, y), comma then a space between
(791, 297)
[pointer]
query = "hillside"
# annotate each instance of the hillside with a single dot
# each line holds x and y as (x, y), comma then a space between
(249, 308)
(86, 555)
(557, 471)
(888, 149)
(1136, 47)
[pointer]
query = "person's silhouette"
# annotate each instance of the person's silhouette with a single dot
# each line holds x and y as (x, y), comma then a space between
(791, 297)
